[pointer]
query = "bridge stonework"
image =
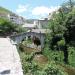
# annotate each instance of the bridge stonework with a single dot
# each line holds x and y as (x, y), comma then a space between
(19, 37)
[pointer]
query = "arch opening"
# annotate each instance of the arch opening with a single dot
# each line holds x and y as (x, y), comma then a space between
(36, 41)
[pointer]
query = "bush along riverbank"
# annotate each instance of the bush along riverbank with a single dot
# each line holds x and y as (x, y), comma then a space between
(38, 64)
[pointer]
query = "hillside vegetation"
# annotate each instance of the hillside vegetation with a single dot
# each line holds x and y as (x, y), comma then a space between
(3, 10)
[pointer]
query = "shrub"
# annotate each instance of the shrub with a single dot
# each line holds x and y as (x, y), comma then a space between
(53, 69)
(71, 56)
(21, 47)
(53, 54)
(61, 42)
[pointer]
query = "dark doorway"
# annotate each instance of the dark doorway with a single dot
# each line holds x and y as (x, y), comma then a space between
(36, 41)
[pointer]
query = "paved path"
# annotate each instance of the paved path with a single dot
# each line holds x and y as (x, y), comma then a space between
(9, 58)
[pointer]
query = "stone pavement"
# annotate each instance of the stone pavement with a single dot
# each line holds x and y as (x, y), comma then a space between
(9, 58)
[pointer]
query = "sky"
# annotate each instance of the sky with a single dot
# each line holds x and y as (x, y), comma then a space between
(34, 9)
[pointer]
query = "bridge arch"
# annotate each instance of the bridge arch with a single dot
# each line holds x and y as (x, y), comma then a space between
(19, 37)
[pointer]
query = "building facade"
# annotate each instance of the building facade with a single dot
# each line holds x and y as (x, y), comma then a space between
(36, 23)
(16, 19)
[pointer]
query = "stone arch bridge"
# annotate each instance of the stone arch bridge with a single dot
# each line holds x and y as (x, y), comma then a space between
(16, 39)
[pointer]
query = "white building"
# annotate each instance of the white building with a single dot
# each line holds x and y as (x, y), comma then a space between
(36, 24)
(30, 24)
(43, 23)
(16, 19)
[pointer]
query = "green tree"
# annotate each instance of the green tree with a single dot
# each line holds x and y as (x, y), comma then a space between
(7, 27)
(67, 6)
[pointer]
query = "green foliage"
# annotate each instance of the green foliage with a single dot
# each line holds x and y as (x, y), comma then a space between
(70, 19)
(53, 69)
(32, 67)
(71, 56)
(61, 42)
(25, 42)
(6, 27)
(68, 5)
(56, 23)
(20, 29)
(21, 47)
(54, 55)
(3, 10)
(61, 22)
